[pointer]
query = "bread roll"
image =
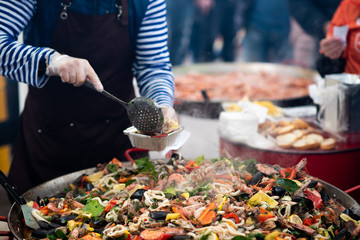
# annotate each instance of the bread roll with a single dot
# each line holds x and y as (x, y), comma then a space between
(328, 144)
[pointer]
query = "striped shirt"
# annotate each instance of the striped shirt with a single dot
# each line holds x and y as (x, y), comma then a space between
(152, 68)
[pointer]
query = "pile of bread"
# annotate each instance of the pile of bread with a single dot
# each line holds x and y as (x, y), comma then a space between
(297, 134)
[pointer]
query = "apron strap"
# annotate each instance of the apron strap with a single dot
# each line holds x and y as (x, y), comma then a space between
(119, 5)
(123, 16)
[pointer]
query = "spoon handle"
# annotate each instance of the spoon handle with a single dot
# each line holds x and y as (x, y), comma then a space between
(106, 93)
(11, 189)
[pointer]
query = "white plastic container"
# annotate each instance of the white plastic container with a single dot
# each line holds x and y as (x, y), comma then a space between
(152, 143)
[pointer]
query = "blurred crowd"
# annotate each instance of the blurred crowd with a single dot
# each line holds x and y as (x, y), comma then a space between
(278, 31)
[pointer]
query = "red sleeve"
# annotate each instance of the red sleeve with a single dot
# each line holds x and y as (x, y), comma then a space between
(339, 17)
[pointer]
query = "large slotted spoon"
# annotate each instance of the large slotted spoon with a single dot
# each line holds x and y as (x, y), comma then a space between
(143, 113)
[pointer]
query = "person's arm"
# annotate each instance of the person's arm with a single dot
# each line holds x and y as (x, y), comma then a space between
(22, 62)
(331, 46)
(152, 67)
(309, 17)
(19, 62)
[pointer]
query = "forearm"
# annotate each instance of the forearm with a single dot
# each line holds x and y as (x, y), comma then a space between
(19, 62)
(158, 85)
(152, 67)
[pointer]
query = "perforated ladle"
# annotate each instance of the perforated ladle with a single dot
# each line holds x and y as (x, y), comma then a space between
(143, 113)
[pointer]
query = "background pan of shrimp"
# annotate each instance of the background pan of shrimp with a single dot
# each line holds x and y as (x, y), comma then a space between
(56, 186)
(200, 89)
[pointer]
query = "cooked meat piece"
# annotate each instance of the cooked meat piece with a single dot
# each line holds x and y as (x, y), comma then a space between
(306, 229)
(267, 170)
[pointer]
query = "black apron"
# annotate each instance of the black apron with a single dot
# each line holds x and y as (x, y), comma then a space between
(65, 128)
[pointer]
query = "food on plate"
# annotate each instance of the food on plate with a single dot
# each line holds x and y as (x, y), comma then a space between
(236, 85)
(273, 110)
(194, 199)
(328, 143)
(170, 125)
(297, 134)
(305, 144)
(285, 129)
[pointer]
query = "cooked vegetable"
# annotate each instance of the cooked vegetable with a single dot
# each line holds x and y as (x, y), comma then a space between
(260, 197)
(94, 207)
(216, 200)
(288, 173)
(287, 184)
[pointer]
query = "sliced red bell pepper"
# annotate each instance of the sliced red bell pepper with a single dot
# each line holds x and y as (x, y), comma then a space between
(165, 236)
(262, 210)
(128, 237)
(288, 173)
(83, 179)
(110, 205)
(232, 215)
(123, 179)
(264, 215)
(248, 177)
(191, 165)
(315, 197)
(44, 210)
(309, 221)
(35, 205)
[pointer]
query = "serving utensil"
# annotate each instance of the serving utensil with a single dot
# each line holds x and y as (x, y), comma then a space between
(30, 221)
(143, 113)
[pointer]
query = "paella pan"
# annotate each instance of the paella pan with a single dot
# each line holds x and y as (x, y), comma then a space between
(202, 199)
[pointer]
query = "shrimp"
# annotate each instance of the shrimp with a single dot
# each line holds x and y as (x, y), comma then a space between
(243, 188)
(161, 233)
(161, 184)
(77, 233)
(190, 210)
(78, 205)
(175, 178)
(52, 207)
(269, 225)
(74, 204)
(74, 234)
(195, 200)
(131, 186)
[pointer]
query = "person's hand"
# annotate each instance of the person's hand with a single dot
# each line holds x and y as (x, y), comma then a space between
(331, 47)
(170, 120)
(73, 70)
(169, 113)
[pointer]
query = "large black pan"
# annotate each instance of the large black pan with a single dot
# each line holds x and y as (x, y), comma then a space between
(210, 109)
(57, 185)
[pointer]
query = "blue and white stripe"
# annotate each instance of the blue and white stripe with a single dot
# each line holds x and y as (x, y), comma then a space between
(18, 61)
(152, 67)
